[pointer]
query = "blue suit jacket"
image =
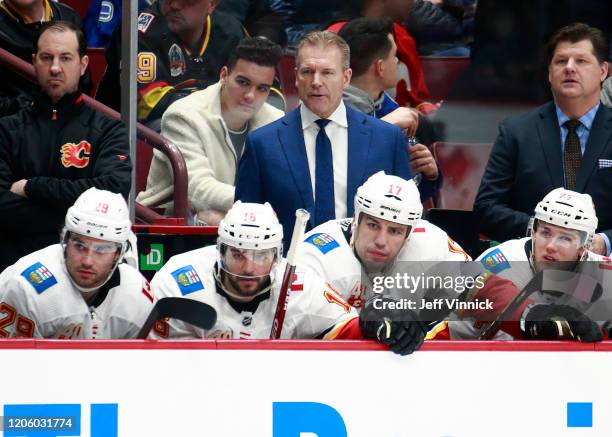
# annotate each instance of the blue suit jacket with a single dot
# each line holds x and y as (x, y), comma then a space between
(274, 166)
(526, 163)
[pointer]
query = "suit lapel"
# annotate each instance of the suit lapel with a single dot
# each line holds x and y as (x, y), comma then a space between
(291, 138)
(550, 141)
(359, 139)
(599, 137)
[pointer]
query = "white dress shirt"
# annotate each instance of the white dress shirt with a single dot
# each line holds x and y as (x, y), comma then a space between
(337, 132)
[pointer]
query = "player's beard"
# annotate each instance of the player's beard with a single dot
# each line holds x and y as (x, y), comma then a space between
(233, 282)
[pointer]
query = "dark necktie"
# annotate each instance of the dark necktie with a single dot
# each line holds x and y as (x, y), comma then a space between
(572, 155)
(325, 206)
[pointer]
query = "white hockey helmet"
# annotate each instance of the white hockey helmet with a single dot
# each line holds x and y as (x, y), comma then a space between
(100, 214)
(251, 226)
(390, 198)
(568, 209)
(254, 229)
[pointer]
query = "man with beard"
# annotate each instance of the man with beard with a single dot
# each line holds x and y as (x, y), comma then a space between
(80, 288)
(241, 279)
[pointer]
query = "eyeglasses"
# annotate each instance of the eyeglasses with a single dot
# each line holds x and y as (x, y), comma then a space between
(97, 248)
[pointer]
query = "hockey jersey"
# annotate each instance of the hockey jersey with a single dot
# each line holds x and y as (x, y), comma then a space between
(326, 251)
(166, 67)
(507, 270)
(314, 310)
(38, 299)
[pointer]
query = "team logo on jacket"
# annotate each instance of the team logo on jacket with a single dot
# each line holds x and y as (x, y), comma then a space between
(187, 279)
(75, 155)
(177, 61)
(39, 276)
(495, 262)
(324, 242)
(107, 10)
(144, 21)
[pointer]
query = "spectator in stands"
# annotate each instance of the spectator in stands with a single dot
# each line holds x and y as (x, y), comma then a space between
(442, 27)
(257, 17)
(316, 156)
(53, 150)
(606, 92)
(181, 48)
(411, 89)
(374, 71)
(103, 17)
(210, 128)
(303, 16)
(20, 21)
(567, 142)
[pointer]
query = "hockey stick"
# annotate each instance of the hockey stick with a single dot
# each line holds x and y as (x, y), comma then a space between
(190, 311)
(534, 285)
(301, 218)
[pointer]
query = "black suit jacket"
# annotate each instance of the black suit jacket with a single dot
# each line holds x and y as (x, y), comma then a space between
(526, 163)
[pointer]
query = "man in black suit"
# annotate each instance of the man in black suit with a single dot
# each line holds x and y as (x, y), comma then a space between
(564, 143)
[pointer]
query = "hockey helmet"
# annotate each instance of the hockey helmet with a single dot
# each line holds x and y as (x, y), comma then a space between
(390, 198)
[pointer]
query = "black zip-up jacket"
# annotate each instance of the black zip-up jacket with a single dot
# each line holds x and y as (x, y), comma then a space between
(62, 150)
(17, 37)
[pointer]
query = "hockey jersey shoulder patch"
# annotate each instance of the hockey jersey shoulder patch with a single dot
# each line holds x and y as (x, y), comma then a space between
(39, 277)
(495, 261)
(324, 242)
(187, 279)
(144, 21)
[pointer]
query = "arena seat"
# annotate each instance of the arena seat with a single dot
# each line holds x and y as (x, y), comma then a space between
(441, 73)
(462, 165)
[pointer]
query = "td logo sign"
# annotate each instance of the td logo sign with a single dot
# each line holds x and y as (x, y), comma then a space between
(154, 260)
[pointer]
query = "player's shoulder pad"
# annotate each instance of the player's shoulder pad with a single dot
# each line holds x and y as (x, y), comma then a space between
(39, 277)
(144, 21)
(495, 261)
(322, 241)
(187, 279)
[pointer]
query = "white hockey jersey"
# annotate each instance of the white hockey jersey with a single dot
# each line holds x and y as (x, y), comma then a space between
(326, 251)
(314, 310)
(38, 299)
(510, 261)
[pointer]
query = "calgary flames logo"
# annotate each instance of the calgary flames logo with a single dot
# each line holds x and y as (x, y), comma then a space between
(75, 155)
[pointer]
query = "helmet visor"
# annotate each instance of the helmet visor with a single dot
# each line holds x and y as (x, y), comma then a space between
(247, 263)
(78, 244)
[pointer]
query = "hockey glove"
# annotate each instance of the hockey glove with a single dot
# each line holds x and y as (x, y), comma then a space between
(401, 330)
(558, 322)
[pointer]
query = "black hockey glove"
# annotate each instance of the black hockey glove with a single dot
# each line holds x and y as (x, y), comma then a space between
(401, 330)
(558, 322)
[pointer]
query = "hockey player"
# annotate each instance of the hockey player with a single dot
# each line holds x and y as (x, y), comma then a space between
(79, 288)
(241, 279)
(386, 236)
(561, 235)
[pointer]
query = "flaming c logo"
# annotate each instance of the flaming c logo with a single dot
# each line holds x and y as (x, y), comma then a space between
(75, 155)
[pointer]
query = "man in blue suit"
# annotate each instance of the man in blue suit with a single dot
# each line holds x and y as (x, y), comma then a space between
(316, 156)
(565, 143)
